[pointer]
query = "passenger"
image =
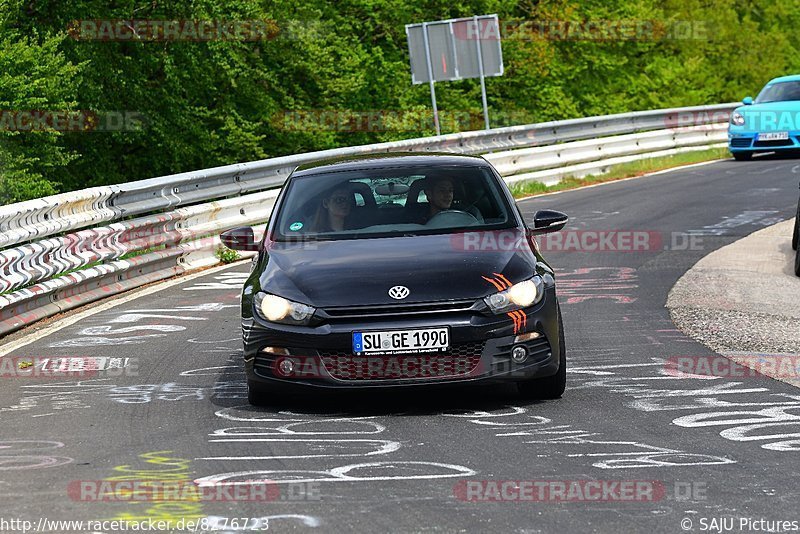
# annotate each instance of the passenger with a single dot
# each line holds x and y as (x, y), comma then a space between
(334, 211)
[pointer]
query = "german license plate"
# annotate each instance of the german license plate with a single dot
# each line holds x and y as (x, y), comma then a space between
(773, 136)
(402, 341)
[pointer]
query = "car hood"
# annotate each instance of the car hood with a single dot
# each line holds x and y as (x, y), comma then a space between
(769, 117)
(361, 271)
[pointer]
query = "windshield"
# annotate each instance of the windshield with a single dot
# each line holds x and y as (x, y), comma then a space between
(392, 201)
(779, 92)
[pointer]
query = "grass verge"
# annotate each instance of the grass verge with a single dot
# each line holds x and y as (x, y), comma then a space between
(618, 172)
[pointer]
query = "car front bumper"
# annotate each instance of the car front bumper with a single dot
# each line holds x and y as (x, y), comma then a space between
(480, 351)
(746, 141)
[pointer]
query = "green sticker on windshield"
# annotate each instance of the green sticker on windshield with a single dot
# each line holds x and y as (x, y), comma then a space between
(295, 226)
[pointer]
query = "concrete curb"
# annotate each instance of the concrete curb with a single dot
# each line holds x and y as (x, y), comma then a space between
(743, 302)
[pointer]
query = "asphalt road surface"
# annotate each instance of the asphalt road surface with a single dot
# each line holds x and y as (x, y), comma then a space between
(633, 446)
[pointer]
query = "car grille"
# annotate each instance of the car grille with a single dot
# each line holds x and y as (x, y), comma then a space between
(461, 360)
(772, 144)
(741, 142)
(402, 367)
(399, 310)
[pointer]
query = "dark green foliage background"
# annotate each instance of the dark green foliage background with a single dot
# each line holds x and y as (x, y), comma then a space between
(213, 103)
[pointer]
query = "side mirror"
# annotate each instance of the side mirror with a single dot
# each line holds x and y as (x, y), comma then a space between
(748, 100)
(546, 221)
(241, 238)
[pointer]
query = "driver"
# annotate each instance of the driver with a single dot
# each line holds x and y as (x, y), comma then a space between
(439, 191)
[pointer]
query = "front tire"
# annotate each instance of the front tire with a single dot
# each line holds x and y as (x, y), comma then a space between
(258, 395)
(549, 387)
(797, 263)
(742, 156)
(796, 231)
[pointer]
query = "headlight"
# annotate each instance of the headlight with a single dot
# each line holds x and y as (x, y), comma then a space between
(280, 310)
(518, 296)
(737, 118)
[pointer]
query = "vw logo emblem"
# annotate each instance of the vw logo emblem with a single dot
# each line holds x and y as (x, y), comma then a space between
(399, 292)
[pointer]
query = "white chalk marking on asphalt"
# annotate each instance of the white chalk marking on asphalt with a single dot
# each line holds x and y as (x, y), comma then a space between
(741, 433)
(98, 341)
(72, 319)
(381, 447)
(703, 403)
(644, 456)
(337, 474)
(765, 171)
(619, 366)
(307, 520)
(207, 307)
(261, 417)
(373, 427)
(105, 329)
(134, 317)
(791, 445)
(676, 376)
(515, 410)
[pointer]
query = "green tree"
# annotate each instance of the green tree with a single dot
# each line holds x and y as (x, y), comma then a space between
(34, 76)
(209, 103)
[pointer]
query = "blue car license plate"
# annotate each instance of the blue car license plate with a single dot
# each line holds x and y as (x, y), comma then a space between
(773, 136)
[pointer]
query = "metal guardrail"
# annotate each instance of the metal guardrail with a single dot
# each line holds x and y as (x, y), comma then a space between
(70, 211)
(172, 242)
(548, 164)
(57, 254)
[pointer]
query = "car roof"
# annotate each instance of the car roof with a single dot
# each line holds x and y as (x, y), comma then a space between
(790, 78)
(392, 159)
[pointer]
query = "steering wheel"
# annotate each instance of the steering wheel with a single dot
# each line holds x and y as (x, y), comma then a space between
(452, 218)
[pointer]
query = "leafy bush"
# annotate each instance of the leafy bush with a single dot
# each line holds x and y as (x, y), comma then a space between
(226, 255)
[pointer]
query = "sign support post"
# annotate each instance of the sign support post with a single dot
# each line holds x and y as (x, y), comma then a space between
(430, 77)
(480, 69)
(450, 55)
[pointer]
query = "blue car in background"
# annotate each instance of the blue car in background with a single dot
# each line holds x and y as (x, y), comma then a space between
(770, 123)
